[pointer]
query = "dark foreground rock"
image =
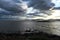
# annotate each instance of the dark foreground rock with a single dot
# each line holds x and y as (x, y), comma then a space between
(31, 36)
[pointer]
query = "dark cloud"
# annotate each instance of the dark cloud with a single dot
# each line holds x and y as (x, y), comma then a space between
(14, 6)
(18, 7)
(41, 4)
(5, 12)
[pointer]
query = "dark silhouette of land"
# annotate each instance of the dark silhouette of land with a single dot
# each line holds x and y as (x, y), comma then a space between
(31, 36)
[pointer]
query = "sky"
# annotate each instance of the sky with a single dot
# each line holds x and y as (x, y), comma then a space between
(56, 2)
(12, 7)
(9, 4)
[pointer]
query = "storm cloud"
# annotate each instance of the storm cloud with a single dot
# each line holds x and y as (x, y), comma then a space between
(41, 4)
(12, 6)
(20, 6)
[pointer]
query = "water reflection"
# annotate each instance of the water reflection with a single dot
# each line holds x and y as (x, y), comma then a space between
(22, 26)
(48, 27)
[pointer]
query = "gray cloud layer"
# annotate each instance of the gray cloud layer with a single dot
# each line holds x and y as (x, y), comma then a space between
(11, 6)
(15, 6)
(41, 4)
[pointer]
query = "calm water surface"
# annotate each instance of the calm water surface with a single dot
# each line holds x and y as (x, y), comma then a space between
(15, 26)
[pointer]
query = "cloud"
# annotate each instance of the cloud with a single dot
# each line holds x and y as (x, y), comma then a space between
(19, 7)
(14, 6)
(4, 12)
(41, 4)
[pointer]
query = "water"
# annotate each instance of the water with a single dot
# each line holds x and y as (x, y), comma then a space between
(16, 26)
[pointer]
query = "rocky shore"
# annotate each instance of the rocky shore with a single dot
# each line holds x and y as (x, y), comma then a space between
(31, 36)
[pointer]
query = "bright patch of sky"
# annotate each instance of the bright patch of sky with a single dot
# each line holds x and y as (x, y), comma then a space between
(56, 2)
